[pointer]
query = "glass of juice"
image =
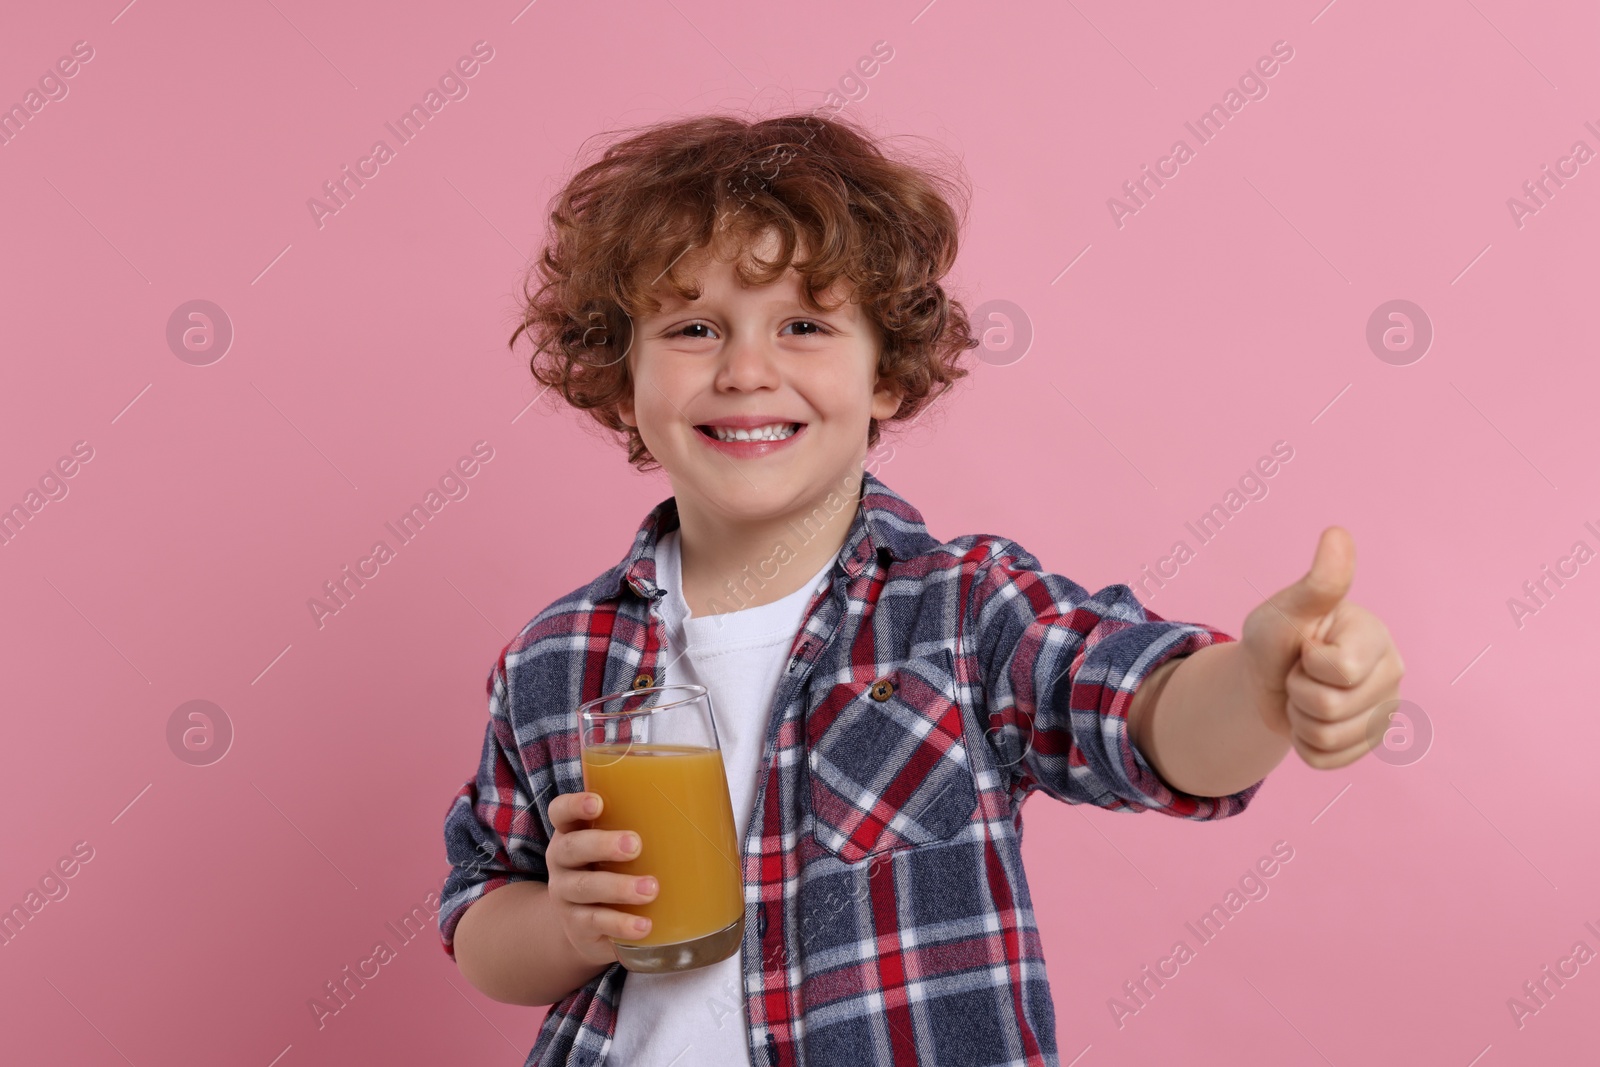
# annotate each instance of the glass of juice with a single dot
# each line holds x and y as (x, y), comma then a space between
(652, 756)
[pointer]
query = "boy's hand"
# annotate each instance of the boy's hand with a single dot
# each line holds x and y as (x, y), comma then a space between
(1322, 664)
(579, 888)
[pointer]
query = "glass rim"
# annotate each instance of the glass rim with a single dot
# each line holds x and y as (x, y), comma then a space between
(695, 692)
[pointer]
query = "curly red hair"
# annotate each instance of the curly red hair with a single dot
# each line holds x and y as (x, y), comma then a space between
(822, 184)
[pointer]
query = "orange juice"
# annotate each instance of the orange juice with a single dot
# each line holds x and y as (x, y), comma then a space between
(675, 797)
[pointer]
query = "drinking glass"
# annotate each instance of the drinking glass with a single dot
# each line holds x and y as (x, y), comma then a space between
(652, 756)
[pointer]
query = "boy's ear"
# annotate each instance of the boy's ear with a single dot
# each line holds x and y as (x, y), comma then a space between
(885, 400)
(625, 412)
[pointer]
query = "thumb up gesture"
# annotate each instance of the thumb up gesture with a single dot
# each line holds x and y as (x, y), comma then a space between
(1322, 665)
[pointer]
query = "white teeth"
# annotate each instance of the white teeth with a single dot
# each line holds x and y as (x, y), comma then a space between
(777, 431)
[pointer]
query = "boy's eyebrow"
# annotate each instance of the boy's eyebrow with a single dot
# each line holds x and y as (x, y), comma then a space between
(675, 303)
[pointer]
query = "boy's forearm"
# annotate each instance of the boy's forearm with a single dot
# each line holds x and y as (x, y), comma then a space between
(509, 946)
(1197, 722)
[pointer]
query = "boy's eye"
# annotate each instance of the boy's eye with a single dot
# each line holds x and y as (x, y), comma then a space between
(815, 329)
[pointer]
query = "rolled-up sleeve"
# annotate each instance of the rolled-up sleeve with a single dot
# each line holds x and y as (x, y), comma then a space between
(1059, 670)
(493, 833)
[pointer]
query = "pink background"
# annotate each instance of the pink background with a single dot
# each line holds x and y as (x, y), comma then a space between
(369, 354)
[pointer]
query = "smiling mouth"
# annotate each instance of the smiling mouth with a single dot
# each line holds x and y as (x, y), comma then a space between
(775, 432)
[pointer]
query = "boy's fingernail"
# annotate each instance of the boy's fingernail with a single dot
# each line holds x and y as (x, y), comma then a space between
(641, 925)
(629, 843)
(647, 886)
(591, 805)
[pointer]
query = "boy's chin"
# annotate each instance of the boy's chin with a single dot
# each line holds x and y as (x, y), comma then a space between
(771, 497)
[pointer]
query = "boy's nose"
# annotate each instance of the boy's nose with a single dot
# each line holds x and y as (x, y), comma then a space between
(747, 363)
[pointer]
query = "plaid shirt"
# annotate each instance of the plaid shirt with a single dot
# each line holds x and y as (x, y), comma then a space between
(931, 688)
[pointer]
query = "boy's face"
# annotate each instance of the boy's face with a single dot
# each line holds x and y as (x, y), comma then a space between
(737, 355)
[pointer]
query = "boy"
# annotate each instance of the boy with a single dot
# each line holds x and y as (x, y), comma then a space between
(886, 701)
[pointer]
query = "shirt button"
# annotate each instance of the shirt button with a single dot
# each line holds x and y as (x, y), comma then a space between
(643, 681)
(761, 920)
(881, 689)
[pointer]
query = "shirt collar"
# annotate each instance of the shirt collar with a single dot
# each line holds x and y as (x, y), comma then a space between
(884, 522)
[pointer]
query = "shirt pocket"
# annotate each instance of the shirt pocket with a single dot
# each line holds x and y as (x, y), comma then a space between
(888, 762)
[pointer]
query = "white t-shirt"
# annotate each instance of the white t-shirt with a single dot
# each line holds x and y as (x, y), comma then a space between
(697, 1017)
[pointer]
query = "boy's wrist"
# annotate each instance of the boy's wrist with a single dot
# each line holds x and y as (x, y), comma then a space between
(1204, 726)
(510, 946)
(1141, 710)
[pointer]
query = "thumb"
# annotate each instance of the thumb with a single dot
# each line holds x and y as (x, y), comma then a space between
(1333, 568)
